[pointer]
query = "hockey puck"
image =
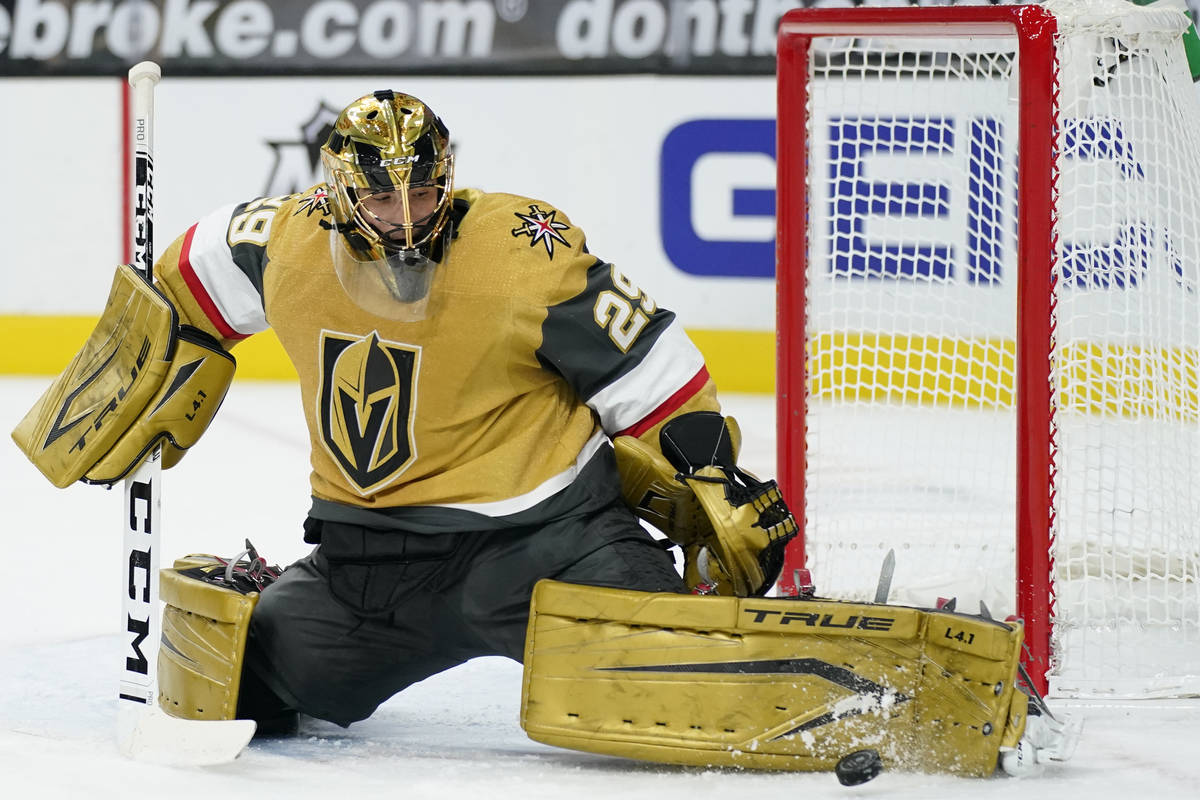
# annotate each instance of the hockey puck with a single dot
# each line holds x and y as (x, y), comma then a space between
(858, 767)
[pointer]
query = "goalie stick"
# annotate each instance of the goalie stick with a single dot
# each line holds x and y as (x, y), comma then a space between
(144, 731)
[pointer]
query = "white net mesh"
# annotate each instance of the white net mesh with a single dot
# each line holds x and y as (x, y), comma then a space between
(1128, 337)
(912, 316)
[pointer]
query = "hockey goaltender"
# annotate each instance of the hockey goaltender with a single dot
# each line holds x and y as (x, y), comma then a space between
(491, 407)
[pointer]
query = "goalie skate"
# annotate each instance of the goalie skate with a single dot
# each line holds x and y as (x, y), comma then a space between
(1046, 740)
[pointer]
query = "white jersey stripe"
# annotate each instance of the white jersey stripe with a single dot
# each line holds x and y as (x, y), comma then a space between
(231, 291)
(670, 364)
(557, 483)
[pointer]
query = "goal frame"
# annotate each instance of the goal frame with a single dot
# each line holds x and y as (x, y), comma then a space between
(1034, 29)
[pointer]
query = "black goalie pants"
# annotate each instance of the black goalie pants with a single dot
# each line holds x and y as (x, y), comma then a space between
(370, 612)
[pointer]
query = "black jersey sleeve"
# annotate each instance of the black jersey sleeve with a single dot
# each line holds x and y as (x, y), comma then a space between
(624, 355)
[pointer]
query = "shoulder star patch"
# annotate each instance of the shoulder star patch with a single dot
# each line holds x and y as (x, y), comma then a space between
(540, 226)
(317, 201)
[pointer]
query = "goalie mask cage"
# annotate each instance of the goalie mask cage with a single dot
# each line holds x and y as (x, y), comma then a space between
(989, 323)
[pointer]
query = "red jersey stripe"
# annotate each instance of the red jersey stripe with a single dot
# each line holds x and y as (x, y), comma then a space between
(200, 293)
(668, 406)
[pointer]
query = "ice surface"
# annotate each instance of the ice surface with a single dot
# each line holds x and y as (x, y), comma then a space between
(454, 735)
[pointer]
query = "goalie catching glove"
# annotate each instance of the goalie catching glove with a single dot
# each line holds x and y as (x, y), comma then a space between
(733, 528)
(140, 379)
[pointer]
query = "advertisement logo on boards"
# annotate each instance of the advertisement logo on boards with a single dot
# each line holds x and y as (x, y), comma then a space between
(890, 190)
(717, 197)
(356, 37)
(298, 161)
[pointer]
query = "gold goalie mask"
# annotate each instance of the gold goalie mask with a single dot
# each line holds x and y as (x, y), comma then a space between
(389, 172)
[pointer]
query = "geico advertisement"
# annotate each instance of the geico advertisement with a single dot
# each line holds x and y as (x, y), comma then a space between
(913, 206)
(913, 209)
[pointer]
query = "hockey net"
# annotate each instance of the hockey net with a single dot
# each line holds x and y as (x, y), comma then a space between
(989, 323)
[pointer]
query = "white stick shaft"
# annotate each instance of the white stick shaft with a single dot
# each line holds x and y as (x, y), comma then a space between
(142, 79)
(143, 730)
(140, 620)
(141, 521)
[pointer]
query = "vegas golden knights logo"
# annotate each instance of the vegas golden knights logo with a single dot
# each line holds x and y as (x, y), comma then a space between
(368, 391)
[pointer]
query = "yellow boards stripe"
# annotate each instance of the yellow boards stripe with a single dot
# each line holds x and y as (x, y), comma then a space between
(39, 345)
(1109, 379)
(954, 371)
(912, 370)
(1132, 381)
(44, 345)
(739, 361)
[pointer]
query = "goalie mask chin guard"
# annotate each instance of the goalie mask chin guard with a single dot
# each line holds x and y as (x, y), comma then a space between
(389, 172)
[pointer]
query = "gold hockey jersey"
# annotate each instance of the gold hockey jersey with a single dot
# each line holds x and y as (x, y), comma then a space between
(485, 413)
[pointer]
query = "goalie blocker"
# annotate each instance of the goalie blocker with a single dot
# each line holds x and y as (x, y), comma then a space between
(769, 683)
(140, 379)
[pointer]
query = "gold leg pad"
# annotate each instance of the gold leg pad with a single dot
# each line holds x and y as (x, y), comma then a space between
(767, 683)
(203, 643)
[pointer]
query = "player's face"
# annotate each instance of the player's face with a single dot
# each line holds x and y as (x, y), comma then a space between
(390, 210)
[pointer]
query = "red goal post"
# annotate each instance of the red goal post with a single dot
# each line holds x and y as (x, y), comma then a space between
(987, 323)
